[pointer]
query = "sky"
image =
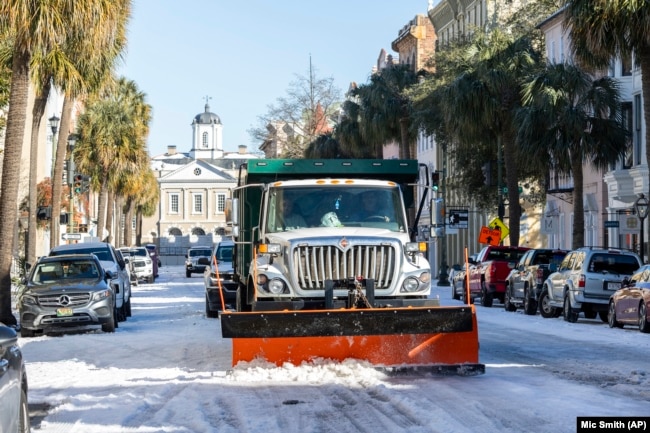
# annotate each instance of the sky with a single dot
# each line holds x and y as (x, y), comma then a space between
(244, 55)
(167, 369)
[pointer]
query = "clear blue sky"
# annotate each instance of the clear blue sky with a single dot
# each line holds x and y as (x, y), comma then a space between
(245, 53)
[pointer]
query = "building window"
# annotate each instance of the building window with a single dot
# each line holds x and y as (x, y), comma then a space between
(173, 203)
(221, 202)
(627, 118)
(205, 139)
(626, 66)
(198, 203)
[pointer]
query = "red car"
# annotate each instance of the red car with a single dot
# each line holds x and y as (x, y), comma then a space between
(630, 305)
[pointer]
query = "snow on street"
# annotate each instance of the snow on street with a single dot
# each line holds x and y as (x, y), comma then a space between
(167, 369)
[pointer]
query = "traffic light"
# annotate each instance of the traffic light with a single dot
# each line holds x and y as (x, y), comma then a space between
(78, 183)
(435, 180)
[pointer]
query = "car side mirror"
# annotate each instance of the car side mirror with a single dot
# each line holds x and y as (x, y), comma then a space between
(521, 267)
(109, 275)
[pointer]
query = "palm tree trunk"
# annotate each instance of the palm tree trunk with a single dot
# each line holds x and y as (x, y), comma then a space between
(643, 57)
(101, 209)
(128, 217)
(10, 177)
(57, 176)
(578, 234)
(37, 115)
(110, 212)
(138, 226)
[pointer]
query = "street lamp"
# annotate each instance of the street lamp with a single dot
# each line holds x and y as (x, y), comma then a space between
(54, 124)
(641, 206)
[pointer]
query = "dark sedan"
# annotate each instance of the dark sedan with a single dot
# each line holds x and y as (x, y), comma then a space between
(630, 305)
(14, 414)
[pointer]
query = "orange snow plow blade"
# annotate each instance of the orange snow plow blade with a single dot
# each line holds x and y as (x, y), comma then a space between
(440, 339)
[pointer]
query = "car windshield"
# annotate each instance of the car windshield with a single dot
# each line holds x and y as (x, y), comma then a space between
(224, 254)
(56, 271)
(199, 253)
(291, 208)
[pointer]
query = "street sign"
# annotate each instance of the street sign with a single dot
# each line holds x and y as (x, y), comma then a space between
(489, 236)
(71, 236)
(458, 218)
(496, 223)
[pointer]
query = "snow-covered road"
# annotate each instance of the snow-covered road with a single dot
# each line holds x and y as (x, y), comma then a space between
(167, 369)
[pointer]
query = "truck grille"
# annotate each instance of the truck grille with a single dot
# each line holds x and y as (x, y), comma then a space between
(315, 264)
(71, 300)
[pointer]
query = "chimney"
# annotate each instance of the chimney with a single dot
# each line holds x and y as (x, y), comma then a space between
(171, 150)
(242, 149)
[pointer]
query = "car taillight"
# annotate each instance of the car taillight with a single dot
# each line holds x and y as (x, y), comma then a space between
(540, 275)
(581, 281)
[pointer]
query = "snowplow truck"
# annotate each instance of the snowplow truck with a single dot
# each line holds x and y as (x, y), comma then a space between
(327, 269)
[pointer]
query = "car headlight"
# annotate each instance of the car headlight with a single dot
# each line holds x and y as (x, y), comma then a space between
(98, 296)
(28, 300)
(425, 277)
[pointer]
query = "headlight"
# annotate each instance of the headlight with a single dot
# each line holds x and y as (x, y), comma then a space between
(276, 286)
(411, 284)
(28, 300)
(102, 295)
(425, 277)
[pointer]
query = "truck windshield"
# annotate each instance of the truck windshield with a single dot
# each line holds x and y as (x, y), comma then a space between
(292, 208)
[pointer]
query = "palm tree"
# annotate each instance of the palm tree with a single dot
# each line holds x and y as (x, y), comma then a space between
(385, 109)
(570, 119)
(481, 103)
(34, 28)
(112, 132)
(146, 203)
(602, 30)
(92, 52)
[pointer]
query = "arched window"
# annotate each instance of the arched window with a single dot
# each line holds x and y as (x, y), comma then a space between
(198, 231)
(175, 231)
(205, 139)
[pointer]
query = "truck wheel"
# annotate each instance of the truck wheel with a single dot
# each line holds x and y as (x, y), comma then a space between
(208, 312)
(544, 308)
(506, 302)
(487, 299)
(570, 315)
(530, 305)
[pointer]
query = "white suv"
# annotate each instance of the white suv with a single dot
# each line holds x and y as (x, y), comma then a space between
(584, 282)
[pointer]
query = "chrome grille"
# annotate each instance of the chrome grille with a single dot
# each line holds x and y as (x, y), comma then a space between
(76, 300)
(315, 264)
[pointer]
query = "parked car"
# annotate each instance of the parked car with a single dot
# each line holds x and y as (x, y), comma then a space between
(153, 253)
(196, 259)
(66, 291)
(111, 261)
(585, 281)
(221, 275)
(143, 264)
(488, 273)
(126, 256)
(630, 305)
(13, 384)
(524, 283)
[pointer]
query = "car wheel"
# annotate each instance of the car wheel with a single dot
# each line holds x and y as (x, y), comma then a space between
(603, 316)
(208, 312)
(128, 308)
(506, 302)
(150, 280)
(454, 295)
(611, 316)
(188, 274)
(530, 305)
(116, 316)
(24, 424)
(644, 325)
(569, 314)
(24, 332)
(545, 309)
(110, 325)
(487, 299)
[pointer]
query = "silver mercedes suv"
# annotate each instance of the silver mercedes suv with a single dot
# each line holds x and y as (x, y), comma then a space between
(584, 281)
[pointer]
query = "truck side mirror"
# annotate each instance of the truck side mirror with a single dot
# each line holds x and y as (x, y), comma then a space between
(232, 215)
